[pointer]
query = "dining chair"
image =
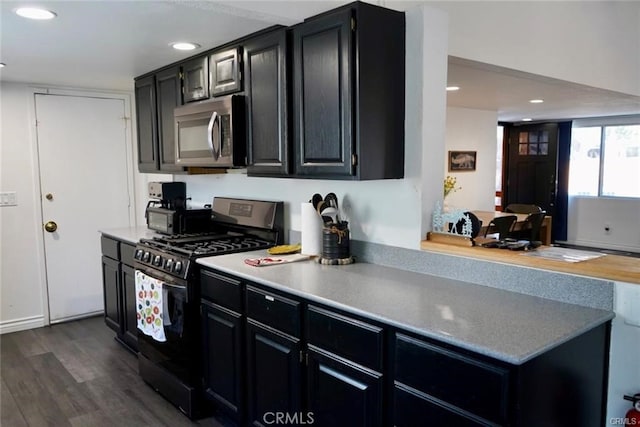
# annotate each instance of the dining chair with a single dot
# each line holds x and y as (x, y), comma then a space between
(503, 225)
(531, 227)
(522, 208)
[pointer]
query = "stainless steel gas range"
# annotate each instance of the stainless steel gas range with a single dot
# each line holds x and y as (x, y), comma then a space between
(168, 293)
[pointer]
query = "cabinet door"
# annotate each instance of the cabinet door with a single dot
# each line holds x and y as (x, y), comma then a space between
(145, 93)
(128, 307)
(196, 79)
(111, 289)
(413, 408)
(267, 119)
(342, 393)
(274, 369)
(226, 72)
(169, 96)
(322, 107)
(223, 359)
(473, 385)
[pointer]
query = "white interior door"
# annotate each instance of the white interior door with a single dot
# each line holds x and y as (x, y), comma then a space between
(82, 151)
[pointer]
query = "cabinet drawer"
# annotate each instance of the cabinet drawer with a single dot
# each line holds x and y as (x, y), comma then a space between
(110, 247)
(472, 385)
(222, 290)
(352, 339)
(274, 310)
(412, 407)
(126, 253)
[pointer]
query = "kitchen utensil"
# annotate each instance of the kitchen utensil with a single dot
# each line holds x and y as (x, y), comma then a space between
(332, 200)
(329, 214)
(315, 200)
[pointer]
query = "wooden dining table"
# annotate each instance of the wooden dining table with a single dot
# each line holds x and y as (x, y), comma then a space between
(487, 216)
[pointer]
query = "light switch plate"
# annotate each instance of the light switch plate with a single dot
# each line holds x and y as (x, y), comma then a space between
(8, 198)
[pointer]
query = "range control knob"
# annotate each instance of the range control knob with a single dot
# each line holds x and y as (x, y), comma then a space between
(177, 267)
(168, 264)
(157, 261)
(138, 254)
(146, 257)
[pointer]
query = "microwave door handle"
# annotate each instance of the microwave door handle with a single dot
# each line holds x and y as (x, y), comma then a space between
(212, 122)
(217, 142)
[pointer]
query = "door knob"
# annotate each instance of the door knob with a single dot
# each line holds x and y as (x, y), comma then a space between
(50, 226)
(49, 196)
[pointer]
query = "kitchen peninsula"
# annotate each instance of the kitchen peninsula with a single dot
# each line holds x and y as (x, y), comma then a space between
(402, 343)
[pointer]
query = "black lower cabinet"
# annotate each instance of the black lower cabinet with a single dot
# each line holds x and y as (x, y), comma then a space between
(275, 358)
(129, 315)
(119, 287)
(111, 290)
(223, 373)
(415, 409)
(274, 374)
(342, 393)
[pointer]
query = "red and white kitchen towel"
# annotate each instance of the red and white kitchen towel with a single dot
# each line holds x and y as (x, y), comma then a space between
(149, 304)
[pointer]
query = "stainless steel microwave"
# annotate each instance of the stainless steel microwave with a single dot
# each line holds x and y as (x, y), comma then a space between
(211, 133)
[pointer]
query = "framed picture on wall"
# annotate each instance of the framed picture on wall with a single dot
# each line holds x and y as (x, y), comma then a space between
(462, 161)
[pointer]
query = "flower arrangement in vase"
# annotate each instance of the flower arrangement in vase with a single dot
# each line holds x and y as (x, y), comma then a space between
(450, 186)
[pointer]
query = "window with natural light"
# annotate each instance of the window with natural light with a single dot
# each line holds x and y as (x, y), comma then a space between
(605, 161)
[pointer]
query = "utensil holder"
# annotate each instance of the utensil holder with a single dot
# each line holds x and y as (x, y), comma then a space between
(335, 241)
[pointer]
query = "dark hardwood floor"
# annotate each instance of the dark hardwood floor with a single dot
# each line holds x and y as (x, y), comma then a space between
(76, 374)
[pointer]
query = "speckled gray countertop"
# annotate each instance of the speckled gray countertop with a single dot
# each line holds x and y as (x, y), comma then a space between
(129, 234)
(502, 324)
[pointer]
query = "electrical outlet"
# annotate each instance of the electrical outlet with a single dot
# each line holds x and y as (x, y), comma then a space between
(8, 198)
(607, 228)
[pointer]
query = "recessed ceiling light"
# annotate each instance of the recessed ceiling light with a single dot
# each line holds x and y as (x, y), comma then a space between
(184, 45)
(35, 13)
(536, 101)
(2, 65)
(452, 88)
(526, 120)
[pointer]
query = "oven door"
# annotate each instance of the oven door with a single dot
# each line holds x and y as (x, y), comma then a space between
(170, 343)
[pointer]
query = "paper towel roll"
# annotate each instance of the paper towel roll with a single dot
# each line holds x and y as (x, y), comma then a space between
(311, 230)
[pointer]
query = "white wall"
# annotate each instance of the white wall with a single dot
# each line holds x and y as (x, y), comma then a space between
(588, 216)
(596, 43)
(21, 302)
(473, 130)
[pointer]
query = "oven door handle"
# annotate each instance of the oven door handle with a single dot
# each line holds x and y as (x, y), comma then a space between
(169, 285)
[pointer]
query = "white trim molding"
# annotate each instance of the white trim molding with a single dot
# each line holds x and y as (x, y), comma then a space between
(16, 325)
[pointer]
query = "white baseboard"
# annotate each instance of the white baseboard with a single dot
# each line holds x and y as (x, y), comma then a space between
(77, 317)
(23, 324)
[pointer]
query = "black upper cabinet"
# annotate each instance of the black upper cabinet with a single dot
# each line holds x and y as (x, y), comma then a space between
(266, 89)
(226, 71)
(195, 73)
(169, 96)
(348, 104)
(145, 93)
(325, 98)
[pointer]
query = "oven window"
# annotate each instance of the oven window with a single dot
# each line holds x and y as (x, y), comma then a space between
(173, 317)
(157, 221)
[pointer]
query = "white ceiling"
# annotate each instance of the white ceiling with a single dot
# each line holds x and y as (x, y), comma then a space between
(104, 44)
